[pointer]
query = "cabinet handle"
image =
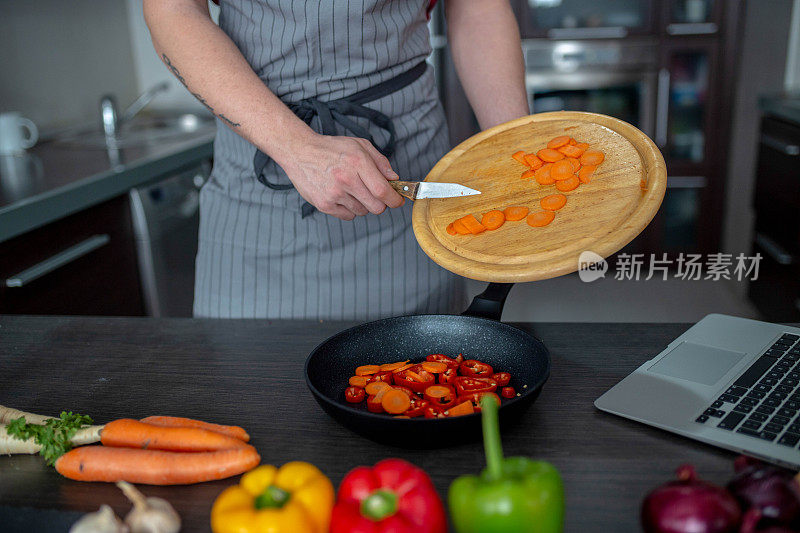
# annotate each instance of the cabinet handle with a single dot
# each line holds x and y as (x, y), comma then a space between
(58, 260)
(692, 28)
(774, 250)
(785, 148)
(662, 108)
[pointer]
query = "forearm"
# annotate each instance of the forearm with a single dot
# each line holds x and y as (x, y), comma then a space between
(485, 44)
(210, 65)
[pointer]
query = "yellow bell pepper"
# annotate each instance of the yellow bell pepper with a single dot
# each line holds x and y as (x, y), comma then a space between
(295, 498)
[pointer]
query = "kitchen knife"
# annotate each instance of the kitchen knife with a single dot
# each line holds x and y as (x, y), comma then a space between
(416, 190)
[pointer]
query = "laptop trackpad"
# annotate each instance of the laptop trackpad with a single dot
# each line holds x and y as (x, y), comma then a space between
(698, 363)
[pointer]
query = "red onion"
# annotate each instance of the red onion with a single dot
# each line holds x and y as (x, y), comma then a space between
(689, 505)
(770, 489)
(751, 520)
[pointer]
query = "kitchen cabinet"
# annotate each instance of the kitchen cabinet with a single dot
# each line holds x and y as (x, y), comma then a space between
(691, 17)
(582, 19)
(776, 203)
(83, 264)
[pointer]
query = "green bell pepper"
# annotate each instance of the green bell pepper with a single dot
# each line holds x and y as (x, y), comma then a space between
(515, 494)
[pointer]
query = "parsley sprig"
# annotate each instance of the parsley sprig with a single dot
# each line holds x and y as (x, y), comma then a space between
(53, 436)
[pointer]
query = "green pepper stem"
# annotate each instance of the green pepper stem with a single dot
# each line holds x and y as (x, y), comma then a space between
(491, 437)
(272, 498)
(380, 504)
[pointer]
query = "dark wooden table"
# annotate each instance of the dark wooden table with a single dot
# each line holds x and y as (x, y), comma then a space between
(250, 373)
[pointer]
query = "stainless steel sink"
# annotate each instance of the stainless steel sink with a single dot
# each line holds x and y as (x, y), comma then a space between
(144, 129)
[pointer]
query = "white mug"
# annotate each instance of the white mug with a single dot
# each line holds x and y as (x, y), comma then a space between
(13, 140)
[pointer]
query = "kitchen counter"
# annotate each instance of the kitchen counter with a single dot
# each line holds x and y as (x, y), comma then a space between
(250, 373)
(54, 179)
(785, 106)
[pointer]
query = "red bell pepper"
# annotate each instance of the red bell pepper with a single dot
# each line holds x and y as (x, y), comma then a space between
(417, 407)
(444, 397)
(393, 496)
(468, 385)
(354, 394)
(473, 367)
(502, 378)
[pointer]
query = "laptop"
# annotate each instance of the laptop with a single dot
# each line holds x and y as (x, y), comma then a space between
(727, 381)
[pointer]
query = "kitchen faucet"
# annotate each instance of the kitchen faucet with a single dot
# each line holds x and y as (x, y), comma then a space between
(108, 108)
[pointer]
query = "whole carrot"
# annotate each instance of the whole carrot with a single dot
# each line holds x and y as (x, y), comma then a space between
(129, 433)
(180, 422)
(155, 467)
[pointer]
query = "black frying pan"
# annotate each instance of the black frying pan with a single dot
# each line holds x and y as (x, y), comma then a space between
(477, 334)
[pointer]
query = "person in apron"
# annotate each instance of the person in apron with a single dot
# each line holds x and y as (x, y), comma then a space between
(283, 238)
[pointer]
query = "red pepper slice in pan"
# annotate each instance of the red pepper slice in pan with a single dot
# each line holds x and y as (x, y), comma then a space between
(354, 394)
(374, 404)
(473, 367)
(475, 398)
(447, 377)
(502, 378)
(410, 379)
(434, 411)
(441, 358)
(417, 407)
(386, 377)
(508, 392)
(443, 396)
(468, 385)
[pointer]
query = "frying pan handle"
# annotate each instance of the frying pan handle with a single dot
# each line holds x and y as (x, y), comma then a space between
(489, 303)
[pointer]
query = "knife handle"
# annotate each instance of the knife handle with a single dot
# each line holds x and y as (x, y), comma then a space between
(405, 188)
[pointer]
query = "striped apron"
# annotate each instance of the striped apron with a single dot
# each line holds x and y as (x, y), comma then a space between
(258, 257)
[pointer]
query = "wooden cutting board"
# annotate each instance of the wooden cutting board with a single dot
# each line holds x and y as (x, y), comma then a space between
(602, 216)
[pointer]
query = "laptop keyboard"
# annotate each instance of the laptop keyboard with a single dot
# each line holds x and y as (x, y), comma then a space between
(764, 402)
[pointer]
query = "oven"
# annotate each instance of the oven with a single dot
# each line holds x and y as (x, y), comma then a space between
(616, 78)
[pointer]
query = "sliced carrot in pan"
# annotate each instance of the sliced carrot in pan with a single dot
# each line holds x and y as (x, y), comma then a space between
(366, 370)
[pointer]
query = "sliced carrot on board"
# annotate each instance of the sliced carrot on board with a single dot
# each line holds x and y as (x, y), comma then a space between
(375, 387)
(451, 230)
(460, 228)
(493, 219)
(572, 141)
(514, 213)
(576, 164)
(543, 176)
(527, 174)
(519, 156)
(549, 155)
(583, 146)
(366, 370)
(541, 218)
(643, 184)
(395, 402)
(388, 367)
(358, 381)
(561, 170)
(472, 224)
(585, 173)
(592, 157)
(533, 161)
(434, 367)
(568, 185)
(553, 202)
(571, 151)
(464, 408)
(558, 142)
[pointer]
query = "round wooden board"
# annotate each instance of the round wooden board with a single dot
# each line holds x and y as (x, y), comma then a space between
(602, 216)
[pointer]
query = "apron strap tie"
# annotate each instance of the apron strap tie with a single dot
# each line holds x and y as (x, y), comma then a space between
(339, 112)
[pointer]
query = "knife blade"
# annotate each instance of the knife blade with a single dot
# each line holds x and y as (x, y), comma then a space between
(414, 190)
